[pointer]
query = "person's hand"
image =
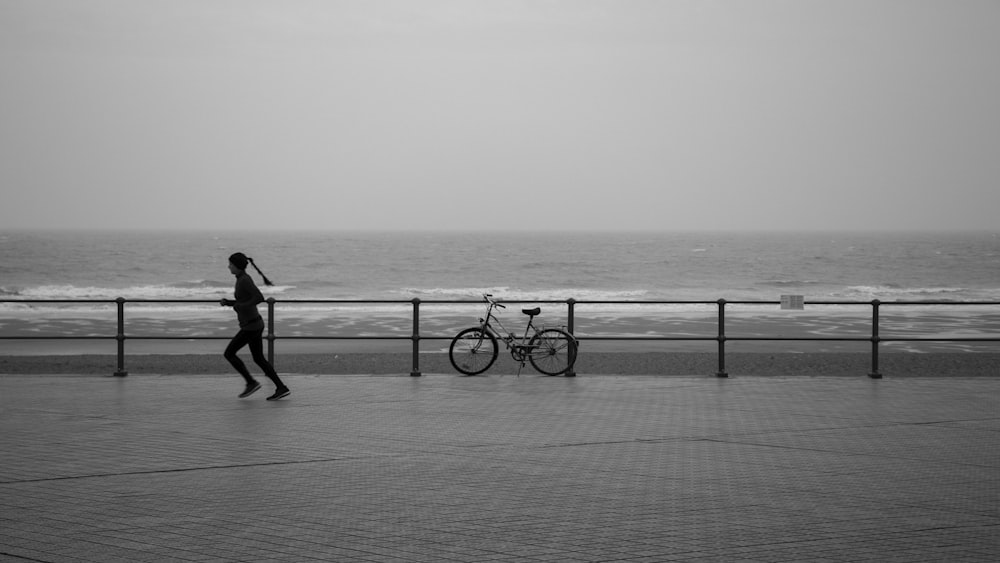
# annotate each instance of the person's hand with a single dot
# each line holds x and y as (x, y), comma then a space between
(225, 302)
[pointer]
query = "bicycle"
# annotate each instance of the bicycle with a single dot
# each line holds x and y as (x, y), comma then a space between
(551, 351)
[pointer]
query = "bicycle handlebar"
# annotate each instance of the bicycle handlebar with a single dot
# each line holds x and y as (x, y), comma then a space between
(489, 299)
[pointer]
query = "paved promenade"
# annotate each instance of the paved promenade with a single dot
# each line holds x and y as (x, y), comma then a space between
(500, 468)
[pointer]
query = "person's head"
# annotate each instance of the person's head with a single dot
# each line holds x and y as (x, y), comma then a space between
(238, 264)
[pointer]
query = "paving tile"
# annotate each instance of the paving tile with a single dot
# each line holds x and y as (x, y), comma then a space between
(500, 468)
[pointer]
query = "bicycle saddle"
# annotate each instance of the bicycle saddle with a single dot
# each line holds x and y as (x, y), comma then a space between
(532, 312)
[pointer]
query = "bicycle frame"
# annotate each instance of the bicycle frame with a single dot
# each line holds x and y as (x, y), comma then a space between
(504, 335)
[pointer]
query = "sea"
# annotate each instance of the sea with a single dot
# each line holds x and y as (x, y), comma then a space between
(386, 269)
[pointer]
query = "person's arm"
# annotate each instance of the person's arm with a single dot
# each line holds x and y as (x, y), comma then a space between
(247, 295)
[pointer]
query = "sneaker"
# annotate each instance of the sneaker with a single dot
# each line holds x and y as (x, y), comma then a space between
(251, 389)
(279, 393)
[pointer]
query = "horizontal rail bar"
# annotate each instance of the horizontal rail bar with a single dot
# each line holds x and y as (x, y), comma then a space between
(639, 338)
(609, 338)
(56, 337)
(473, 302)
(302, 337)
(942, 339)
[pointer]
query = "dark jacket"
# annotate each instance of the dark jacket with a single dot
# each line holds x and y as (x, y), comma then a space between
(245, 305)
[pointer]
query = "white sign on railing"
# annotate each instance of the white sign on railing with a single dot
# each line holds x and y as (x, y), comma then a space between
(792, 302)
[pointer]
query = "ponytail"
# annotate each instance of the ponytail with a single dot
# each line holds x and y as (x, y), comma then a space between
(266, 281)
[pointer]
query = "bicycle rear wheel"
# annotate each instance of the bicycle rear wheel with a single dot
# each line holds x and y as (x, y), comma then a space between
(553, 351)
(473, 351)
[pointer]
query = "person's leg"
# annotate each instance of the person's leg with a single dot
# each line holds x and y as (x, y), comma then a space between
(256, 342)
(238, 342)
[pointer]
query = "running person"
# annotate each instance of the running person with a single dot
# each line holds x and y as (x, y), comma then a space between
(251, 328)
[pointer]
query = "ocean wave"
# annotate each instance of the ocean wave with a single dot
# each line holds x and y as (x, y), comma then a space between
(789, 283)
(201, 289)
(504, 293)
(892, 292)
(9, 291)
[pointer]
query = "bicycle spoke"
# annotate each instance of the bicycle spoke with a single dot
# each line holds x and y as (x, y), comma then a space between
(473, 351)
(553, 351)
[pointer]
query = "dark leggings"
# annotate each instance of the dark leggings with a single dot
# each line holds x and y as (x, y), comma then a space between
(255, 338)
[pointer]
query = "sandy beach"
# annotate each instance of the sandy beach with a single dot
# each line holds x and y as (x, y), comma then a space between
(600, 363)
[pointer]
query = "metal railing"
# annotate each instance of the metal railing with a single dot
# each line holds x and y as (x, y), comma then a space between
(720, 337)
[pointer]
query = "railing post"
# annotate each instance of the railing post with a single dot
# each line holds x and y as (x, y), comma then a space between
(722, 339)
(120, 337)
(570, 304)
(415, 372)
(874, 374)
(270, 331)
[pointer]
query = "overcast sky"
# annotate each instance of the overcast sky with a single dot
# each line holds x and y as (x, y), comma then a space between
(504, 114)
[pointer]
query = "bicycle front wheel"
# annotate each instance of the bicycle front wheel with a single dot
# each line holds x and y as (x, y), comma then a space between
(553, 351)
(473, 351)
